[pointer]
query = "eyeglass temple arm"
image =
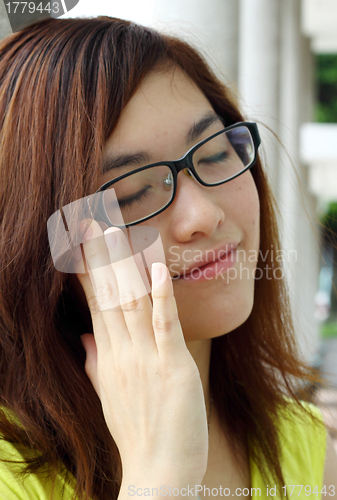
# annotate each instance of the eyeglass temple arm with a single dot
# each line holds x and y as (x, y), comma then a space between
(256, 134)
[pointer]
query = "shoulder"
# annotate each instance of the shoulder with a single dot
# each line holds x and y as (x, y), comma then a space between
(330, 465)
(330, 468)
(329, 456)
(303, 442)
(38, 486)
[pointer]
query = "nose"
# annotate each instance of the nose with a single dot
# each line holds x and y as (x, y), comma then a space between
(196, 208)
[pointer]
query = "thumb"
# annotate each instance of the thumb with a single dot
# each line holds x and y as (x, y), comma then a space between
(85, 341)
(90, 367)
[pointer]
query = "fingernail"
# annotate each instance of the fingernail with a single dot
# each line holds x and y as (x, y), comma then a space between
(156, 273)
(110, 238)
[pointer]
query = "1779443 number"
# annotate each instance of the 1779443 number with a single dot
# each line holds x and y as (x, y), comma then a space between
(308, 491)
(12, 7)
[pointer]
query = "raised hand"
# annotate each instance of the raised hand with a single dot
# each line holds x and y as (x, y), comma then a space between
(137, 360)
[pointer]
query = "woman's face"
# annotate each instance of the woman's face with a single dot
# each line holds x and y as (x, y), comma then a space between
(201, 219)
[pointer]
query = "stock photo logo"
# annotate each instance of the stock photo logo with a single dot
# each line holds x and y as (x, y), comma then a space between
(137, 246)
(22, 14)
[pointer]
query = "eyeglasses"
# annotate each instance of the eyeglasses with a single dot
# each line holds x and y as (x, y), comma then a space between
(145, 192)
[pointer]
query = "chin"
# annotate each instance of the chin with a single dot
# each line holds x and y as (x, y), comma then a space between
(243, 312)
(204, 326)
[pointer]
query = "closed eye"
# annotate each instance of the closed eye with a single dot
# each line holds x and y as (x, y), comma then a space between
(215, 158)
(127, 202)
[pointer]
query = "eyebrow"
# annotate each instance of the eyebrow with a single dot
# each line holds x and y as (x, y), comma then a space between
(112, 162)
(198, 128)
(118, 161)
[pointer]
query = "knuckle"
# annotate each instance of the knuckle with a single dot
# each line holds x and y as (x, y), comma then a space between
(104, 293)
(129, 302)
(90, 250)
(161, 293)
(162, 324)
(92, 303)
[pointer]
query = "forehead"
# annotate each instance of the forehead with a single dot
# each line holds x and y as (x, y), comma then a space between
(163, 108)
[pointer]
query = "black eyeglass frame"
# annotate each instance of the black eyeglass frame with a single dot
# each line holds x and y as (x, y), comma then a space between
(185, 162)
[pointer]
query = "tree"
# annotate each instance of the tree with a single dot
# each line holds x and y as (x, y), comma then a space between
(326, 84)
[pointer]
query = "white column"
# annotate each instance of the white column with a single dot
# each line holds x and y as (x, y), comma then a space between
(211, 26)
(258, 72)
(5, 27)
(306, 270)
(294, 199)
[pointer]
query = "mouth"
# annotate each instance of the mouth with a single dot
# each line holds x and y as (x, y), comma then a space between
(225, 258)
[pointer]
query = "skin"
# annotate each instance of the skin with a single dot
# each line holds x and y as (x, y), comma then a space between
(156, 120)
(200, 218)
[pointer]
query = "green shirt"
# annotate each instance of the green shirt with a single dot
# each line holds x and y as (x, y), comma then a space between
(303, 450)
(302, 461)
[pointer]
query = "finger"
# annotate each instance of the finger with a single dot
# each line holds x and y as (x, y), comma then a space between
(101, 290)
(90, 366)
(99, 326)
(166, 325)
(134, 299)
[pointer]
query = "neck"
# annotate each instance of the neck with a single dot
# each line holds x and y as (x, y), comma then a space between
(201, 352)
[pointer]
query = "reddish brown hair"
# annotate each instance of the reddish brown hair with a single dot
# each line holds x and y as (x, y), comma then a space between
(63, 85)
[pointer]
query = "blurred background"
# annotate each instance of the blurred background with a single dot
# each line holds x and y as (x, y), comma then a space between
(279, 58)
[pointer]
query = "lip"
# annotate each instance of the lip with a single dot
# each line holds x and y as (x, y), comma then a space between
(212, 262)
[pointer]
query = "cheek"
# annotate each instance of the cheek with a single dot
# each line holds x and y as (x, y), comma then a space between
(241, 203)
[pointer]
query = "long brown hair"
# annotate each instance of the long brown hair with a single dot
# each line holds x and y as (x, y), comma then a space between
(63, 85)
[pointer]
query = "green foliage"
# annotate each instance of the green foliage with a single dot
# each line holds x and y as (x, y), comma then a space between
(329, 234)
(329, 220)
(329, 225)
(326, 82)
(328, 330)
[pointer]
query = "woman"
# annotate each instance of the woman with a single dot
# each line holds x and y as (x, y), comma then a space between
(84, 102)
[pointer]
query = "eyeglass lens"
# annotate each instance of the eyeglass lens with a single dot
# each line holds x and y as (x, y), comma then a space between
(144, 193)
